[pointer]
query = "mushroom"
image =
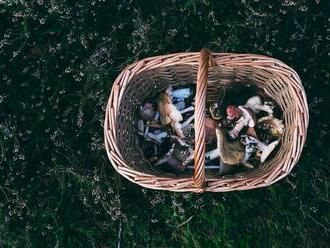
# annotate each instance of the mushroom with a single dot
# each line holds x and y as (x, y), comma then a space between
(147, 111)
(179, 156)
(271, 125)
(256, 105)
(169, 114)
(178, 94)
(156, 136)
(252, 144)
(215, 111)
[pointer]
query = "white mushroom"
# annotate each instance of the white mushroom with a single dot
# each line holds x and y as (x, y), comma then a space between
(256, 105)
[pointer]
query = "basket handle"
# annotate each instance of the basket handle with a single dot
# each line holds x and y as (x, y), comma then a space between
(205, 61)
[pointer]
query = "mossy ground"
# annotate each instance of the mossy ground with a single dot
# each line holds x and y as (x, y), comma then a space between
(58, 62)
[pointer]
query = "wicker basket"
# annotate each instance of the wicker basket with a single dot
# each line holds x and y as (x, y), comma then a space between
(145, 78)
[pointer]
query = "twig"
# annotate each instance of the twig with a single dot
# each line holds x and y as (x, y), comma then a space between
(319, 223)
(185, 222)
(3, 191)
(119, 233)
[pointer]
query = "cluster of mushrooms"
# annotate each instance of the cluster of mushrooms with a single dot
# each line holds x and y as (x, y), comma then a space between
(236, 137)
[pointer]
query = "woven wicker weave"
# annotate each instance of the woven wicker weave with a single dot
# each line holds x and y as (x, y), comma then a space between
(146, 78)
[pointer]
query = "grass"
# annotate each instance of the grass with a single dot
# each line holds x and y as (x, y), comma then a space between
(58, 62)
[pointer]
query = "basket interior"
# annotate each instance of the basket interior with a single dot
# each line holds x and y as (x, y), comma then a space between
(151, 82)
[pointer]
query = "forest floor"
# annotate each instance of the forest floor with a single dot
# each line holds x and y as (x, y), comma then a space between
(58, 62)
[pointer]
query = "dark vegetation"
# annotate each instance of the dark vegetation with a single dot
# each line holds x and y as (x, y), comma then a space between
(58, 62)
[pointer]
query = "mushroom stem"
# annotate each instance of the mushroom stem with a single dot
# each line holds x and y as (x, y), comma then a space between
(213, 154)
(191, 108)
(188, 121)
